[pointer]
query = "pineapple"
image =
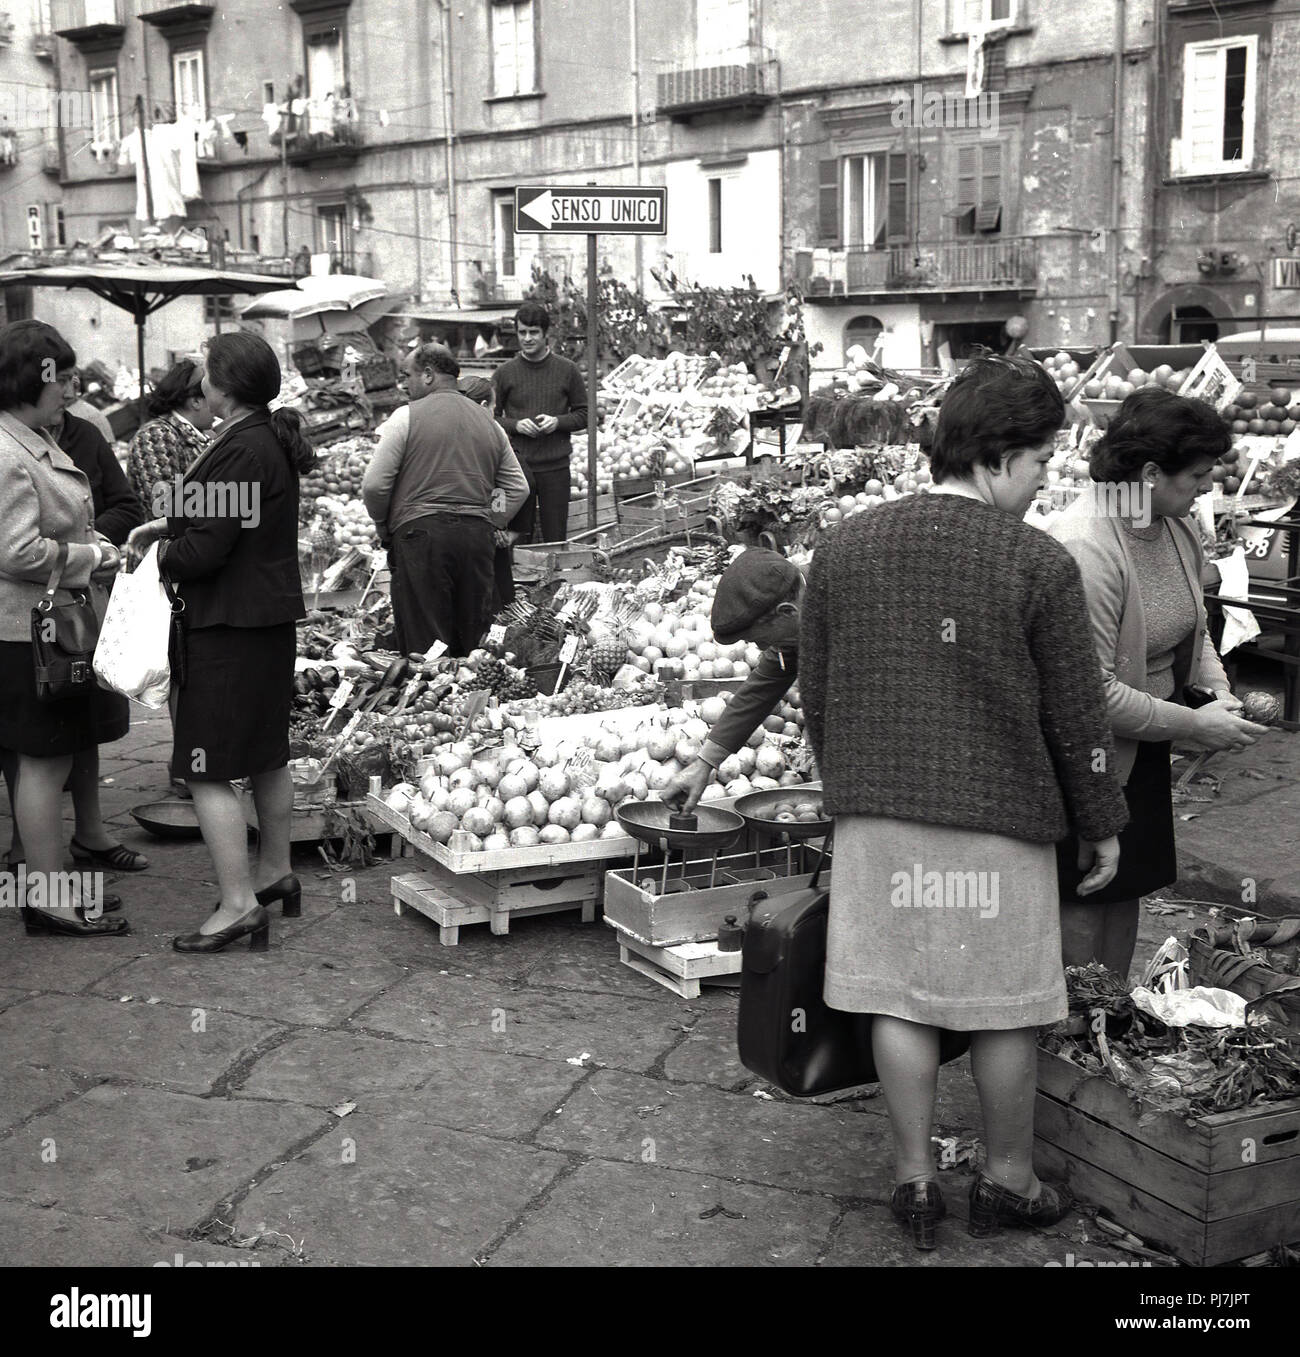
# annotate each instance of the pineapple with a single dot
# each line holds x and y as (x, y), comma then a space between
(609, 654)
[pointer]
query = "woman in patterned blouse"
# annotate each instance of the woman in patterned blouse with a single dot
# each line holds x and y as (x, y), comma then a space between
(165, 447)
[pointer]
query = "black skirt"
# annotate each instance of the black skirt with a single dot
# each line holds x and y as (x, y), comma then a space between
(1148, 857)
(47, 730)
(232, 715)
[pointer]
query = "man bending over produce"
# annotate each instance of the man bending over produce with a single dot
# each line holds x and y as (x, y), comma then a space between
(758, 602)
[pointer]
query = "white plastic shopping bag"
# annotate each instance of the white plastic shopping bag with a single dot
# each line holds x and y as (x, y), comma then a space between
(131, 655)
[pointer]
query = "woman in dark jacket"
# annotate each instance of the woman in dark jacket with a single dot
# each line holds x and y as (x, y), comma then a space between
(954, 705)
(231, 547)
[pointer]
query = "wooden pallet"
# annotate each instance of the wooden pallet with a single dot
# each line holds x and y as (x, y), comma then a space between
(682, 968)
(1224, 1188)
(451, 907)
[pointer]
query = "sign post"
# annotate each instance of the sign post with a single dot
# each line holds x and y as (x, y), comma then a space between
(591, 210)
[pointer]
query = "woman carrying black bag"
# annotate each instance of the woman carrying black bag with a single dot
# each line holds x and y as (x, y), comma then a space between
(954, 704)
(48, 519)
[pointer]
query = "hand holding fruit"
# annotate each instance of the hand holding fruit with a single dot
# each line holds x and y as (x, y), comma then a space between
(1217, 726)
(684, 791)
(545, 424)
(528, 428)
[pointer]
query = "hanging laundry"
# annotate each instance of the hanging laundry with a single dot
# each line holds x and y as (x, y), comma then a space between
(162, 146)
(271, 117)
(181, 140)
(320, 116)
(298, 107)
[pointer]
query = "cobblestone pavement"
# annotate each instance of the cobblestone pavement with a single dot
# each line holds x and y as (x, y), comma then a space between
(361, 1094)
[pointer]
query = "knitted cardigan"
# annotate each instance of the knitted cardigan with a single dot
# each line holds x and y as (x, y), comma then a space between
(948, 675)
(161, 450)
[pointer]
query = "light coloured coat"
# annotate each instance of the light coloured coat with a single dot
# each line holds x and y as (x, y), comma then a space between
(1099, 543)
(46, 500)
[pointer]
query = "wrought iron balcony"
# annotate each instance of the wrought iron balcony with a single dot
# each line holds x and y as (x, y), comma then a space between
(328, 132)
(745, 78)
(90, 23)
(980, 265)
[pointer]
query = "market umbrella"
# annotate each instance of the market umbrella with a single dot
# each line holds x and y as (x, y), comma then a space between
(313, 295)
(143, 289)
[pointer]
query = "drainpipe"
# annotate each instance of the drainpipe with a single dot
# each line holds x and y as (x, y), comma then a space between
(1116, 168)
(449, 147)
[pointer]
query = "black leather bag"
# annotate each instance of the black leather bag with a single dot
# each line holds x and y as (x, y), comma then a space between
(787, 1033)
(63, 641)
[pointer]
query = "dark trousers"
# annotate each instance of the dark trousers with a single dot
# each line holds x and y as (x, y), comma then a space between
(545, 515)
(442, 568)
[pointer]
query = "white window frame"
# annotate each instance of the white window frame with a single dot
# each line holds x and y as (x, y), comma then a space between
(503, 209)
(525, 80)
(106, 123)
(874, 200)
(190, 56)
(1183, 163)
(325, 214)
(961, 25)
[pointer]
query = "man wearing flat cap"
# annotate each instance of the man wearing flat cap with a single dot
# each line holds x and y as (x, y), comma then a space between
(757, 602)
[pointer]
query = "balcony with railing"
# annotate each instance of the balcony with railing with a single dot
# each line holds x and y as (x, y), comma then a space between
(1001, 263)
(326, 131)
(90, 24)
(744, 78)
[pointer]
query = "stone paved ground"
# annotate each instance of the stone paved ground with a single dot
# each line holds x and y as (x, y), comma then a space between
(193, 1103)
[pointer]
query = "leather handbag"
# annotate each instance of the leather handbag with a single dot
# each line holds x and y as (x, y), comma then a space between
(787, 1033)
(63, 641)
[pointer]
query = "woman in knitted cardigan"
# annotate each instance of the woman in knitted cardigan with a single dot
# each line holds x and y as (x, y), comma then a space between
(176, 433)
(1141, 561)
(954, 705)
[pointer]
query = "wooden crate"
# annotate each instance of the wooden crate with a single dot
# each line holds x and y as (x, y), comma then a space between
(1211, 1192)
(681, 969)
(445, 901)
(640, 912)
(546, 855)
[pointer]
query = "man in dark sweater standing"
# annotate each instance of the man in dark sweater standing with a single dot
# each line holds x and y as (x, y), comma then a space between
(541, 399)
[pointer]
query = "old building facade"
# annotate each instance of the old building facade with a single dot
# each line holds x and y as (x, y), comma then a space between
(925, 170)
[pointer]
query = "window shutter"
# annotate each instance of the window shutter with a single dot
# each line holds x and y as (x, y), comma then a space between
(828, 202)
(525, 54)
(899, 171)
(503, 48)
(1203, 105)
(991, 176)
(967, 195)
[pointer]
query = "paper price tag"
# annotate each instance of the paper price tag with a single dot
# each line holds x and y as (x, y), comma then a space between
(496, 634)
(436, 651)
(660, 488)
(569, 650)
(581, 768)
(339, 697)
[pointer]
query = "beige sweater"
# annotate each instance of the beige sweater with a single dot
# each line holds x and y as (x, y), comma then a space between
(1101, 547)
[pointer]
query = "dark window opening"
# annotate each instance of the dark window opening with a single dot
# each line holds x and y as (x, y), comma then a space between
(1234, 104)
(715, 216)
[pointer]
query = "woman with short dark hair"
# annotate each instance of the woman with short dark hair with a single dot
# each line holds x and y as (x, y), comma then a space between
(231, 548)
(1141, 561)
(49, 518)
(953, 704)
(176, 433)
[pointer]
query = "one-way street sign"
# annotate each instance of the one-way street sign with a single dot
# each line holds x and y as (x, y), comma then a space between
(571, 209)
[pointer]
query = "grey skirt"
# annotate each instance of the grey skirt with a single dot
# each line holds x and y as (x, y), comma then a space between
(953, 928)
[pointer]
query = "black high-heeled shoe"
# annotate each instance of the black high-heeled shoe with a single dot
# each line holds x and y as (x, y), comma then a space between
(288, 889)
(38, 922)
(919, 1206)
(255, 926)
(992, 1205)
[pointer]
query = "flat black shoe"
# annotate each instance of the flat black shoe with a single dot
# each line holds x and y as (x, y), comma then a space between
(255, 925)
(919, 1206)
(181, 789)
(37, 921)
(288, 889)
(118, 857)
(992, 1205)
